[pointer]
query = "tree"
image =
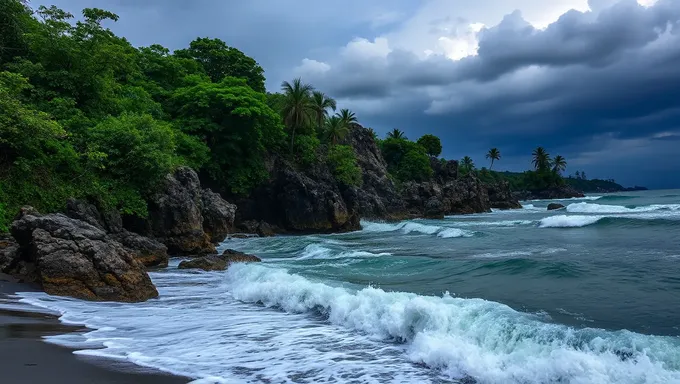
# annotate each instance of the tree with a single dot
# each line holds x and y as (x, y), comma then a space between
(298, 109)
(348, 118)
(406, 160)
(396, 134)
(335, 129)
(493, 154)
(559, 164)
(236, 123)
(220, 61)
(432, 145)
(321, 104)
(467, 164)
(540, 159)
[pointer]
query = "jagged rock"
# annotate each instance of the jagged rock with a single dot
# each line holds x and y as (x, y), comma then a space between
(232, 256)
(554, 206)
(444, 171)
(175, 215)
(431, 199)
(9, 251)
(300, 202)
(148, 251)
(206, 263)
(500, 196)
(218, 216)
(261, 228)
(69, 257)
(109, 221)
(378, 196)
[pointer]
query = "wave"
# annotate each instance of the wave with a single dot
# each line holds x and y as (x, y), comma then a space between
(469, 338)
(577, 221)
(316, 251)
(616, 198)
(409, 227)
(600, 208)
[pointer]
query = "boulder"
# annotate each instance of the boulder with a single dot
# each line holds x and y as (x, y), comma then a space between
(554, 206)
(218, 263)
(232, 256)
(70, 257)
(109, 221)
(175, 215)
(148, 251)
(218, 216)
(500, 196)
(561, 192)
(260, 228)
(9, 252)
(206, 263)
(432, 199)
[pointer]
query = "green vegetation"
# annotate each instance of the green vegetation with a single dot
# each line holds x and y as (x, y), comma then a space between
(432, 145)
(405, 159)
(494, 154)
(343, 163)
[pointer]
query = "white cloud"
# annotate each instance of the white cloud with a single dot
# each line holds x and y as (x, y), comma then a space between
(311, 67)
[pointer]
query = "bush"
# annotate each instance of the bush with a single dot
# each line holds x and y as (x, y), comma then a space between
(343, 163)
(432, 145)
(305, 149)
(406, 159)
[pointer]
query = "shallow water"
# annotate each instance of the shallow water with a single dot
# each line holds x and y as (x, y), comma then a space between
(587, 294)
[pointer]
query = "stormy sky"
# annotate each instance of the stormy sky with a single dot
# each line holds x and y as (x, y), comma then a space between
(597, 81)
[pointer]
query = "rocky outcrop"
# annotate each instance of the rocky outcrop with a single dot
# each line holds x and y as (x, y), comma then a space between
(554, 206)
(70, 257)
(300, 202)
(206, 263)
(9, 251)
(218, 216)
(260, 228)
(500, 196)
(561, 192)
(218, 263)
(184, 217)
(148, 251)
(434, 200)
(378, 196)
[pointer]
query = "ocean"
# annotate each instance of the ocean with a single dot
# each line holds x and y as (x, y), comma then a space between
(587, 294)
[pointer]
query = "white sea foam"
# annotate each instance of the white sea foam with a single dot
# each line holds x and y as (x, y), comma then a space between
(411, 227)
(196, 328)
(604, 209)
(565, 221)
(316, 251)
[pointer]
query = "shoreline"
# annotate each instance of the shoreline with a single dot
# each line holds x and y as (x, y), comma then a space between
(27, 358)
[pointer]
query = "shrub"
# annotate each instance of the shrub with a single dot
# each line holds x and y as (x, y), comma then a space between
(343, 163)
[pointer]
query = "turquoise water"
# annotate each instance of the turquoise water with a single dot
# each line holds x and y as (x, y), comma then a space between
(587, 294)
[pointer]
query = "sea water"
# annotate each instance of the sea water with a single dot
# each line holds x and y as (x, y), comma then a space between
(587, 294)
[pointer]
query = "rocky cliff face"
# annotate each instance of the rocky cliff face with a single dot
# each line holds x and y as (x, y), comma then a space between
(500, 196)
(301, 201)
(184, 217)
(378, 197)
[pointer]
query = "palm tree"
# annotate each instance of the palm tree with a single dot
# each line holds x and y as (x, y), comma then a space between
(493, 154)
(322, 104)
(541, 159)
(348, 117)
(298, 109)
(467, 163)
(335, 129)
(396, 134)
(559, 164)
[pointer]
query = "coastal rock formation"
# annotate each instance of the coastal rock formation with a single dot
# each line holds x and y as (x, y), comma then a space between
(378, 196)
(206, 263)
(70, 257)
(434, 200)
(218, 216)
(300, 202)
(218, 263)
(184, 217)
(500, 196)
(148, 251)
(260, 228)
(554, 206)
(9, 250)
(561, 192)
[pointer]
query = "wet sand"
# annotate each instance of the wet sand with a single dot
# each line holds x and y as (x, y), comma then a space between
(26, 358)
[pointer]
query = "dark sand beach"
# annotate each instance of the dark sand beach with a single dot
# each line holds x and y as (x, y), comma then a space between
(26, 358)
